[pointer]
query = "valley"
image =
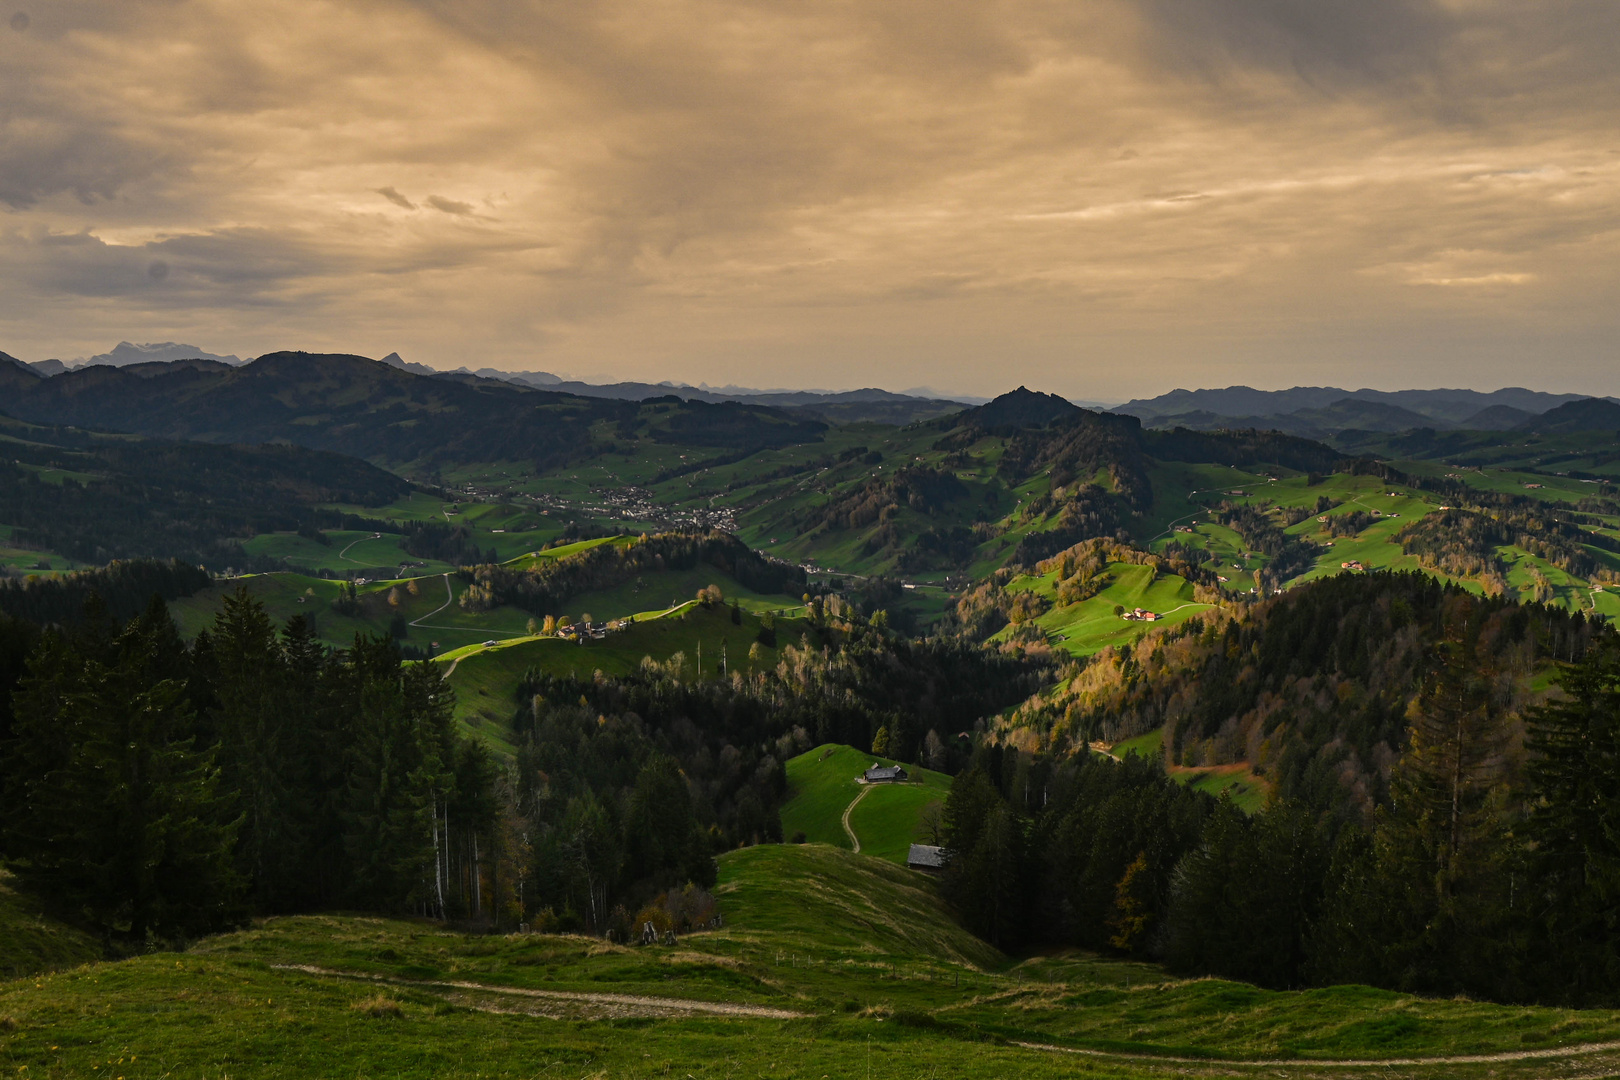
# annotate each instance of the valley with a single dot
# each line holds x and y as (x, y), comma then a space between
(510, 675)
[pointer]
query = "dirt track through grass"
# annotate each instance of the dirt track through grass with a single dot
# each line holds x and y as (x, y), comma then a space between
(596, 1005)
(853, 839)
(1354, 1063)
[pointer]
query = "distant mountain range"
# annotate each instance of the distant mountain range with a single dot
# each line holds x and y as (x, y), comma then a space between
(845, 407)
(1319, 412)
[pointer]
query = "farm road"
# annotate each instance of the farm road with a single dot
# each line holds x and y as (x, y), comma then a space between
(852, 837)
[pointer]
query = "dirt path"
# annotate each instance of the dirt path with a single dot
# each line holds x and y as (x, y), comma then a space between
(344, 554)
(852, 837)
(1353, 1063)
(449, 598)
(562, 1003)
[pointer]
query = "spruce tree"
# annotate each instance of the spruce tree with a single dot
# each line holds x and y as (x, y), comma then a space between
(1440, 911)
(259, 753)
(1575, 826)
(120, 820)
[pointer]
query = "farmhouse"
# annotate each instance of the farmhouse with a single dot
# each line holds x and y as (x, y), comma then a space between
(884, 774)
(926, 857)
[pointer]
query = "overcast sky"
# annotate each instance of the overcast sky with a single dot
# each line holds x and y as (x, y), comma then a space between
(1106, 199)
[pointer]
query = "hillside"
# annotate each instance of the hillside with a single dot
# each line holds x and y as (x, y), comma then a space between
(371, 410)
(1441, 406)
(1365, 641)
(92, 497)
(485, 676)
(886, 818)
(826, 961)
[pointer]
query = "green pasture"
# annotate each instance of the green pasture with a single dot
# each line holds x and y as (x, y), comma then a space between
(889, 819)
(287, 594)
(485, 677)
(347, 552)
(877, 977)
(822, 784)
(26, 561)
(1145, 746)
(1247, 789)
(1091, 625)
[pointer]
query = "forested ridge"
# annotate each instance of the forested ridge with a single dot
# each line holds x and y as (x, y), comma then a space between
(1312, 688)
(97, 498)
(367, 409)
(547, 584)
(1436, 825)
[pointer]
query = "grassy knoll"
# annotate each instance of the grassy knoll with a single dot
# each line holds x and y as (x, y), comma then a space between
(670, 588)
(31, 941)
(1084, 628)
(822, 784)
(882, 983)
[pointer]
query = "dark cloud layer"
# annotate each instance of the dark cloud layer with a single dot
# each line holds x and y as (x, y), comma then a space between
(1103, 198)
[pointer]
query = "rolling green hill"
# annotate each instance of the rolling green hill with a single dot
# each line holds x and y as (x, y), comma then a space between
(485, 676)
(828, 965)
(1090, 625)
(887, 819)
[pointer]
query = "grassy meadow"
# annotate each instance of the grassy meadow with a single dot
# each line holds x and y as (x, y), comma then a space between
(1091, 625)
(888, 819)
(829, 964)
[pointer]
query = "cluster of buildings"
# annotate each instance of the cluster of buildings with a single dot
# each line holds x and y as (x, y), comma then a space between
(1141, 615)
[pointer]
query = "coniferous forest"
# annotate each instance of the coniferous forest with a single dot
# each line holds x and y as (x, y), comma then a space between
(1476, 861)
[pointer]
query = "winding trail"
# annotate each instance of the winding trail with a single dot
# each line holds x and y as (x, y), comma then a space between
(344, 554)
(449, 598)
(852, 837)
(579, 1004)
(1347, 1063)
(617, 1005)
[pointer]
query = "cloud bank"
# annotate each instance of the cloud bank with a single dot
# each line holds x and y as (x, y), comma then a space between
(1103, 199)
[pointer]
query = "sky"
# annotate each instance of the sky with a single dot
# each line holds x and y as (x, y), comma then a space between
(1104, 199)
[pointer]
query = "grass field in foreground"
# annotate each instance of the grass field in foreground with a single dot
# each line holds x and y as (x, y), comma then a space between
(822, 783)
(882, 983)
